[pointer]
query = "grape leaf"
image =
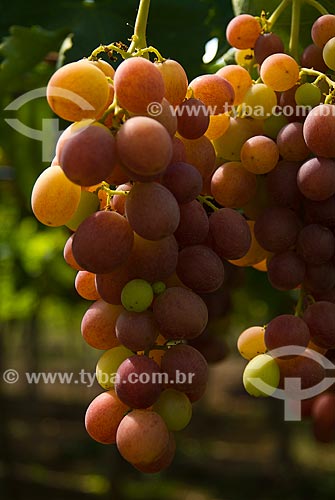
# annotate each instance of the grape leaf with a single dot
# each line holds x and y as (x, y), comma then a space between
(24, 48)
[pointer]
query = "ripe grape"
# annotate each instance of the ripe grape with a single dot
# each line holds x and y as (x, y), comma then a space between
(266, 45)
(98, 325)
(85, 285)
(138, 83)
(277, 228)
(153, 260)
(193, 226)
(88, 154)
(216, 93)
(201, 154)
(243, 31)
(110, 285)
(259, 154)
(261, 367)
(162, 462)
(137, 295)
(323, 414)
(152, 210)
(68, 255)
(144, 146)
(180, 313)
(286, 270)
(320, 212)
(77, 91)
(312, 58)
(319, 126)
(320, 278)
(183, 180)
(316, 178)
(309, 372)
(137, 382)
(282, 184)
(103, 417)
(102, 242)
(193, 118)
(251, 342)
(187, 369)
(175, 408)
(232, 185)
(320, 318)
(286, 330)
(54, 198)
(136, 331)
(323, 29)
(280, 72)
(230, 232)
(291, 143)
(200, 268)
(316, 244)
(142, 437)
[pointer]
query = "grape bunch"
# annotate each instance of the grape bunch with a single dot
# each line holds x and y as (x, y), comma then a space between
(166, 186)
(293, 212)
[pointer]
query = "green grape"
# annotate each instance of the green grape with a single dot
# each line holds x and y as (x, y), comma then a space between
(175, 408)
(308, 94)
(265, 368)
(108, 365)
(88, 204)
(137, 295)
(329, 53)
(158, 287)
(273, 124)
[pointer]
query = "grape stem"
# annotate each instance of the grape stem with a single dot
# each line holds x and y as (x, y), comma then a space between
(139, 38)
(317, 6)
(299, 310)
(206, 200)
(277, 13)
(320, 76)
(295, 28)
(111, 192)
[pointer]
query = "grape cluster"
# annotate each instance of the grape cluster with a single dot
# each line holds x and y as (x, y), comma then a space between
(293, 212)
(166, 185)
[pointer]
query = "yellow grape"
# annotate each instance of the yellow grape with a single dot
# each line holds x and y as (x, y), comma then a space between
(54, 198)
(228, 145)
(218, 125)
(259, 101)
(239, 78)
(77, 91)
(280, 72)
(251, 342)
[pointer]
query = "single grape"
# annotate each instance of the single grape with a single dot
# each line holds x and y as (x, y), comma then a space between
(175, 408)
(243, 31)
(85, 285)
(136, 331)
(54, 198)
(265, 368)
(286, 330)
(259, 154)
(308, 94)
(319, 126)
(286, 270)
(316, 178)
(232, 185)
(280, 72)
(329, 53)
(137, 295)
(320, 318)
(239, 78)
(98, 325)
(323, 29)
(108, 365)
(266, 45)
(251, 342)
(175, 81)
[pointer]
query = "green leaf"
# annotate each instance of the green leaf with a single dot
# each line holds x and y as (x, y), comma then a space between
(24, 49)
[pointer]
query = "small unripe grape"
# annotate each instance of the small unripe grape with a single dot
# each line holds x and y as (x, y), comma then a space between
(137, 295)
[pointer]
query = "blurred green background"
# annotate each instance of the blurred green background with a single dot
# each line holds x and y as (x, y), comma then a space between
(235, 447)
